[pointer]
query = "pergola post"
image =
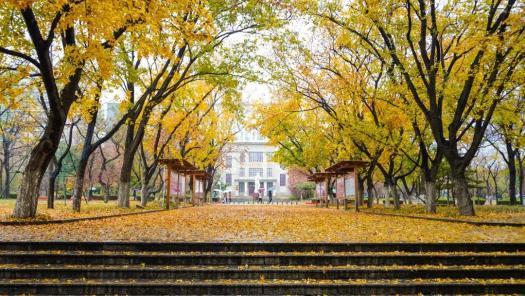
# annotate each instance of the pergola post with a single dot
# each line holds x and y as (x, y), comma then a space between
(327, 190)
(184, 168)
(322, 182)
(193, 190)
(203, 191)
(343, 168)
(168, 191)
(344, 192)
(177, 198)
(318, 194)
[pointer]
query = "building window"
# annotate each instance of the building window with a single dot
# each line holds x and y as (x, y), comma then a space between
(241, 172)
(228, 161)
(241, 187)
(228, 179)
(253, 172)
(242, 158)
(255, 156)
(269, 172)
(282, 180)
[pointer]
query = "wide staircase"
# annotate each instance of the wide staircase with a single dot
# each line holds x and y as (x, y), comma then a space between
(260, 268)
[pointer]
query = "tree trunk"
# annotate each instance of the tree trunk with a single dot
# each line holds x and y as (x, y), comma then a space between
(511, 154)
(430, 196)
(144, 194)
(125, 172)
(125, 178)
(397, 203)
(83, 162)
(1, 178)
(521, 176)
(370, 190)
(7, 168)
(133, 139)
(51, 184)
(123, 193)
(79, 185)
(495, 180)
(40, 156)
(361, 187)
(388, 192)
(461, 193)
(106, 193)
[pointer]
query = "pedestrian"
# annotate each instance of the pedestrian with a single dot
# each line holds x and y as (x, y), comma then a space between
(270, 193)
(261, 191)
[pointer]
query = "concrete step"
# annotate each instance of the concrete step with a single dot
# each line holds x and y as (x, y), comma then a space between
(261, 259)
(268, 268)
(261, 287)
(255, 273)
(260, 247)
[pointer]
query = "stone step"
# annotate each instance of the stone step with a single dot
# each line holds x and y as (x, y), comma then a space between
(261, 259)
(261, 287)
(257, 247)
(255, 273)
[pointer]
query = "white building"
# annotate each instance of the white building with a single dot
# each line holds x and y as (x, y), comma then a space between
(248, 167)
(110, 111)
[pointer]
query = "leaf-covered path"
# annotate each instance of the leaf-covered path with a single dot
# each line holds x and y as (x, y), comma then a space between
(264, 223)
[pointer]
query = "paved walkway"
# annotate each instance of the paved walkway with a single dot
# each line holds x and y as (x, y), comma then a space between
(273, 223)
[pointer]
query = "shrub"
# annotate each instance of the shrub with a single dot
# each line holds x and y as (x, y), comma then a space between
(307, 190)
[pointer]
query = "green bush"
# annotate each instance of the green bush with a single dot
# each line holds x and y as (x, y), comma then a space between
(307, 189)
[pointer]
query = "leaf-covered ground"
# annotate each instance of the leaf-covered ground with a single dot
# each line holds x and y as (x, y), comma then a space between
(63, 210)
(513, 214)
(264, 223)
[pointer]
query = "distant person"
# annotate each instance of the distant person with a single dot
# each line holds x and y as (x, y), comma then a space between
(261, 191)
(270, 193)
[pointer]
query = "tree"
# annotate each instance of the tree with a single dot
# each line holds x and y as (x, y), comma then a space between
(508, 128)
(185, 104)
(107, 171)
(457, 62)
(56, 167)
(358, 98)
(192, 50)
(57, 39)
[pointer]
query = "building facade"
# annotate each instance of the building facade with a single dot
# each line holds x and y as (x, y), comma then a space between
(248, 167)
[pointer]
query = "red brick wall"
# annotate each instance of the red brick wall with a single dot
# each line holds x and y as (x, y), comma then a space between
(296, 176)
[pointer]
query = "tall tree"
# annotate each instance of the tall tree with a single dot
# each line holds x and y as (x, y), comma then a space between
(56, 39)
(456, 60)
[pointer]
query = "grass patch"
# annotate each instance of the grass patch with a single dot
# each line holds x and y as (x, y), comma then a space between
(500, 213)
(94, 208)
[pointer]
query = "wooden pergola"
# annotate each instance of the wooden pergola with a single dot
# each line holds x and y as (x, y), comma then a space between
(346, 170)
(322, 186)
(183, 168)
(200, 181)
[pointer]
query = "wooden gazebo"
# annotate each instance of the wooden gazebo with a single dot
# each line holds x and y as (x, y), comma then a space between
(322, 186)
(181, 167)
(347, 173)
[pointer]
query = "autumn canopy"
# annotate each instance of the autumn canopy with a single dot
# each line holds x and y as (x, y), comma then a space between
(429, 94)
